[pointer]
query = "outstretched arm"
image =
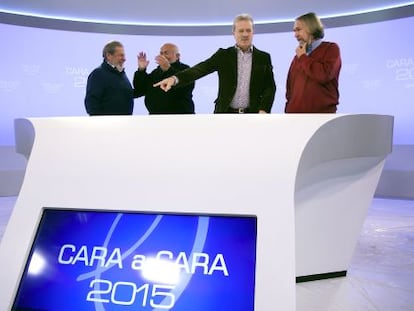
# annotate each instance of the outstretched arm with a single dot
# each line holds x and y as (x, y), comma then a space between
(189, 75)
(166, 84)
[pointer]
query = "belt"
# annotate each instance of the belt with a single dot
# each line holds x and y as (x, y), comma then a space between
(238, 110)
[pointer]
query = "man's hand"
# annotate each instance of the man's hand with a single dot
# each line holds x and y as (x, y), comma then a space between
(301, 49)
(163, 62)
(166, 84)
(142, 61)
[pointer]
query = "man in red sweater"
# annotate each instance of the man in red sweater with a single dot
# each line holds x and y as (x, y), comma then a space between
(312, 81)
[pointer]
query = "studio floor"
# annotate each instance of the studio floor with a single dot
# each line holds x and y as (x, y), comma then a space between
(381, 275)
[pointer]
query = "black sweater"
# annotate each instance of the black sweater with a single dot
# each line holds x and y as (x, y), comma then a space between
(175, 101)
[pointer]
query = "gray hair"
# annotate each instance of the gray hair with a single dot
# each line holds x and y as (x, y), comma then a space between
(110, 47)
(242, 17)
(313, 23)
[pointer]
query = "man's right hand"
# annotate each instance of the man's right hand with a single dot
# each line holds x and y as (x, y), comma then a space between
(142, 61)
(166, 84)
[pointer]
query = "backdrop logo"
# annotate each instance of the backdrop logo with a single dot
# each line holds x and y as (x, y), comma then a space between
(371, 84)
(79, 75)
(8, 85)
(30, 70)
(52, 87)
(403, 69)
(350, 69)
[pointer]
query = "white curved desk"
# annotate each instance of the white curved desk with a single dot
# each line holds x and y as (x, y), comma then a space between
(310, 174)
(336, 179)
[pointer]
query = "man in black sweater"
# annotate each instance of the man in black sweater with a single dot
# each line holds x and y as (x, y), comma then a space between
(179, 100)
(108, 90)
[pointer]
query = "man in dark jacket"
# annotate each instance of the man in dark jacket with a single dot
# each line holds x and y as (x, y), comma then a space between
(108, 90)
(179, 100)
(246, 81)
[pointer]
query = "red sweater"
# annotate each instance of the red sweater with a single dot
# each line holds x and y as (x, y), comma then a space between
(312, 82)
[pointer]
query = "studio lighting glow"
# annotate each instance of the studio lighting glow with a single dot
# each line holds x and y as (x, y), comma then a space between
(37, 264)
(161, 271)
(193, 24)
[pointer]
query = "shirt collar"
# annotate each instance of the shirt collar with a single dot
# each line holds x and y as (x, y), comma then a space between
(249, 50)
(114, 67)
(313, 46)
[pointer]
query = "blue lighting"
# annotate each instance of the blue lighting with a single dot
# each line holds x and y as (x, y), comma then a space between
(189, 24)
(351, 13)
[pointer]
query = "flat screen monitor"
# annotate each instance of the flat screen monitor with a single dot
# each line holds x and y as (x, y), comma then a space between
(123, 260)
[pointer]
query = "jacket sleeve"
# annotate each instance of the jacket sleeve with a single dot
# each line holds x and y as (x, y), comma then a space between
(94, 94)
(200, 70)
(140, 83)
(268, 95)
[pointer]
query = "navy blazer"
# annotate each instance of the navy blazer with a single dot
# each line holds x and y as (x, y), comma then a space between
(224, 61)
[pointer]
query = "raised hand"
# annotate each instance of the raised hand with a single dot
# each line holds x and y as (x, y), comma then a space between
(301, 49)
(163, 62)
(142, 61)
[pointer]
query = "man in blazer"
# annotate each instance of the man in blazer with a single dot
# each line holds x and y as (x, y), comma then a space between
(246, 81)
